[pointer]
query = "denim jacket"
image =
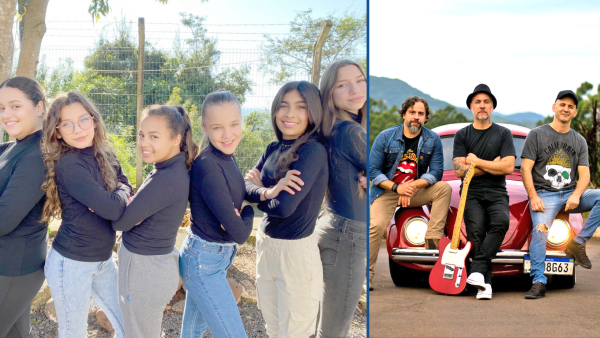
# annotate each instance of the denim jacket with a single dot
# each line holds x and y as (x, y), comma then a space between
(388, 149)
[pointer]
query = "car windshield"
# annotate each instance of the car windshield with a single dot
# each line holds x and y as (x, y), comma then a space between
(448, 144)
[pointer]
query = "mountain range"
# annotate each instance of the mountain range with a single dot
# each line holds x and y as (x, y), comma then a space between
(395, 91)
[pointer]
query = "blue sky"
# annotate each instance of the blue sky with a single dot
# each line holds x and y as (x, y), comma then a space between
(525, 51)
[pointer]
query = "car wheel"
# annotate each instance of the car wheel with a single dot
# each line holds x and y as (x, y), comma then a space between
(564, 282)
(403, 276)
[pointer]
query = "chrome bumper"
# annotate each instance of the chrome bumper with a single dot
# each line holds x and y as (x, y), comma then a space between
(418, 255)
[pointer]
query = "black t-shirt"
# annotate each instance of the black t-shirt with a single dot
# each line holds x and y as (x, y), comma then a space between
(407, 167)
(486, 144)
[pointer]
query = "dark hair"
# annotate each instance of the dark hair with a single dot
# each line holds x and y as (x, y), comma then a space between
(330, 112)
(31, 88)
(312, 97)
(219, 97)
(411, 102)
(180, 124)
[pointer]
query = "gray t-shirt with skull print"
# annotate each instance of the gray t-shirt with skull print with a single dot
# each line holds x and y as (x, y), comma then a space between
(557, 156)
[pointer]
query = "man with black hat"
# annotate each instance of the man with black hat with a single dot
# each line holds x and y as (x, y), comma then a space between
(552, 154)
(490, 146)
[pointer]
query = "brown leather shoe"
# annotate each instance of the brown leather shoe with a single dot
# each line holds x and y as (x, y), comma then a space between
(431, 243)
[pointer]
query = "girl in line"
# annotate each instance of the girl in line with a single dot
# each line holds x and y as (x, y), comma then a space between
(289, 182)
(148, 259)
(342, 228)
(87, 189)
(218, 223)
(23, 239)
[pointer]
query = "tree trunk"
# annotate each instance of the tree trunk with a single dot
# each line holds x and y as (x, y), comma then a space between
(33, 33)
(7, 47)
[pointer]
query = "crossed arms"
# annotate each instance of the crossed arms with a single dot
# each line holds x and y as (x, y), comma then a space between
(499, 166)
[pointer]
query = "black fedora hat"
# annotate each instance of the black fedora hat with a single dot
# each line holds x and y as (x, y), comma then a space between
(481, 88)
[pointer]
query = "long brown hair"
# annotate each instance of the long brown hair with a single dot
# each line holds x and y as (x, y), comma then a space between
(180, 124)
(53, 149)
(330, 112)
(310, 94)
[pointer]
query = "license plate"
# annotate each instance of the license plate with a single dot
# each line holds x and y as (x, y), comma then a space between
(552, 266)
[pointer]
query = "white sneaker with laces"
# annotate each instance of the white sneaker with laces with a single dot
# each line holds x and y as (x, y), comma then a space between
(476, 279)
(486, 293)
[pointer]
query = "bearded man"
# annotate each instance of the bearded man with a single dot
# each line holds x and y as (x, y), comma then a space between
(405, 166)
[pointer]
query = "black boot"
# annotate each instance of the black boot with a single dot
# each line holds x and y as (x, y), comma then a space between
(538, 290)
(578, 252)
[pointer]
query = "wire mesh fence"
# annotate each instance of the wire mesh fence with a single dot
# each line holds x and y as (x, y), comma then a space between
(182, 64)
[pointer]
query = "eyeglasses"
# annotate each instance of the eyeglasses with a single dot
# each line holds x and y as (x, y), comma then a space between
(67, 127)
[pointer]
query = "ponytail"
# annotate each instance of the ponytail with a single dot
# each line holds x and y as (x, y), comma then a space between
(180, 124)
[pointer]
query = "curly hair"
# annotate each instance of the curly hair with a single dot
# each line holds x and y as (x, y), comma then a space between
(54, 147)
(411, 102)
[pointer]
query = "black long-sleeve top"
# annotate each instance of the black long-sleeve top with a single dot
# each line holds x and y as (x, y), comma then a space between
(347, 150)
(23, 239)
(217, 188)
(159, 204)
(292, 216)
(85, 235)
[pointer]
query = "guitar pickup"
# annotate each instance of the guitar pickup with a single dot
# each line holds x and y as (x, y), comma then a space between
(449, 271)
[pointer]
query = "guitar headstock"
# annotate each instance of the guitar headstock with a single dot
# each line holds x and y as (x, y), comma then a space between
(469, 174)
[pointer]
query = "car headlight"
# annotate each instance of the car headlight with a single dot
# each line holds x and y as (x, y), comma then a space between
(414, 230)
(559, 232)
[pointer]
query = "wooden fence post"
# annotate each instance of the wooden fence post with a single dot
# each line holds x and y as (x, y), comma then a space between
(315, 73)
(139, 165)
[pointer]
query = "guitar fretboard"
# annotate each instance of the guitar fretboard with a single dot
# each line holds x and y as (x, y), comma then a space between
(461, 207)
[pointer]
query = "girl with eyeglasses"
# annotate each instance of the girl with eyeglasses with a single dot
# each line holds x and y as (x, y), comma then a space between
(85, 186)
(23, 239)
(289, 183)
(342, 228)
(148, 259)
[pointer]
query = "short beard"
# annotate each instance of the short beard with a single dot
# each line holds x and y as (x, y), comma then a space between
(414, 129)
(482, 118)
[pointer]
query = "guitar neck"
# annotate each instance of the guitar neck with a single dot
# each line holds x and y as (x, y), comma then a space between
(461, 207)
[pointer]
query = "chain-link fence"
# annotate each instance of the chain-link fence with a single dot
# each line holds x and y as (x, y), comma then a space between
(182, 74)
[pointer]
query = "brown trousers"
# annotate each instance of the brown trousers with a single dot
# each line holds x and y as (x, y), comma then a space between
(382, 211)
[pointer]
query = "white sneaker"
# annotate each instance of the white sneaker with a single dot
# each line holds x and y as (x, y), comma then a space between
(485, 294)
(476, 279)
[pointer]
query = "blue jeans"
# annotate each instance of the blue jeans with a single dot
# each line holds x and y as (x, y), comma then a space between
(72, 283)
(209, 302)
(343, 247)
(554, 201)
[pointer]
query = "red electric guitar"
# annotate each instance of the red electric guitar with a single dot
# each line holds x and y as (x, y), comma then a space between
(449, 275)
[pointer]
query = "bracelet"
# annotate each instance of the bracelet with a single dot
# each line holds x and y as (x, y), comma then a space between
(395, 187)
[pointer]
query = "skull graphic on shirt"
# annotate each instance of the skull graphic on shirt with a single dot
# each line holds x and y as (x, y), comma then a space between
(558, 175)
(558, 169)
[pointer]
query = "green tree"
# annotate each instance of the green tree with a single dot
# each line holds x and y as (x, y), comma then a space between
(381, 118)
(257, 133)
(445, 116)
(284, 57)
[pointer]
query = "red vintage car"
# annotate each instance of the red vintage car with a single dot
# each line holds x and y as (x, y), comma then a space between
(409, 260)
